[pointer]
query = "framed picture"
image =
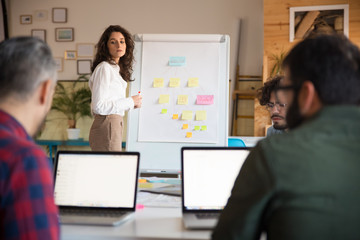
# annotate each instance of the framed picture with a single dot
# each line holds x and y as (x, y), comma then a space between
(64, 34)
(324, 19)
(84, 66)
(85, 49)
(41, 15)
(25, 19)
(39, 33)
(59, 64)
(70, 55)
(59, 15)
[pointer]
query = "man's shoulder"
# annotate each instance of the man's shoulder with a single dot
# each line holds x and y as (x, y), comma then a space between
(271, 131)
(282, 144)
(292, 145)
(17, 150)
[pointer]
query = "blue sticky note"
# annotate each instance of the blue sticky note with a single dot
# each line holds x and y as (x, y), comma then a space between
(173, 181)
(156, 180)
(177, 61)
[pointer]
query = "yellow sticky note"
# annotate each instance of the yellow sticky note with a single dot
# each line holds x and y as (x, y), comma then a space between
(158, 82)
(175, 116)
(146, 185)
(164, 98)
(182, 100)
(200, 115)
(185, 126)
(163, 111)
(174, 82)
(203, 128)
(189, 134)
(186, 115)
(193, 82)
(197, 128)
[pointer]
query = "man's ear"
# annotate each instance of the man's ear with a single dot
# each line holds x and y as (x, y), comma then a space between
(46, 87)
(309, 101)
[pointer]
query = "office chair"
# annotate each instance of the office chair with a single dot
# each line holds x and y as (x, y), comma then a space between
(236, 142)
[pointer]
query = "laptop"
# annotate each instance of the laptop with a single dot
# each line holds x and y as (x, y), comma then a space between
(208, 175)
(96, 188)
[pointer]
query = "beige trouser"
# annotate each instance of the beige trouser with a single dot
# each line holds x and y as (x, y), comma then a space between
(106, 133)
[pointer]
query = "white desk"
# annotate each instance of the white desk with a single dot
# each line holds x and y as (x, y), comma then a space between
(149, 223)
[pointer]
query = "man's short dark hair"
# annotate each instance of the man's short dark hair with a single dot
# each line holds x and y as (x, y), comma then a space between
(264, 93)
(331, 63)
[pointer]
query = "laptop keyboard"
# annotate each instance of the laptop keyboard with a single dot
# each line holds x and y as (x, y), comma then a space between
(207, 215)
(93, 212)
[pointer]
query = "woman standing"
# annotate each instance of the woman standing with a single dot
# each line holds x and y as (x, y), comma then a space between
(111, 70)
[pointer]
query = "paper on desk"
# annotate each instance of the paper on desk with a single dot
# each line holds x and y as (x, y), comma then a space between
(153, 185)
(176, 181)
(158, 200)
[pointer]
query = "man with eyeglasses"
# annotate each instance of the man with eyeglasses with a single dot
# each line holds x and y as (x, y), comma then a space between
(275, 105)
(305, 184)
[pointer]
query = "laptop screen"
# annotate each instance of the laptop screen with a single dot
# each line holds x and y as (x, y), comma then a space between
(209, 175)
(96, 179)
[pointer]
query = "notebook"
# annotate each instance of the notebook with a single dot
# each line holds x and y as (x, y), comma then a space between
(208, 175)
(96, 188)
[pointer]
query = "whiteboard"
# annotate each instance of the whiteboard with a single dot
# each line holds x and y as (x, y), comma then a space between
(184, 80)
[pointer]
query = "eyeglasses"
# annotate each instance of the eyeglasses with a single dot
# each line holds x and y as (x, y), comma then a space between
(279, 106)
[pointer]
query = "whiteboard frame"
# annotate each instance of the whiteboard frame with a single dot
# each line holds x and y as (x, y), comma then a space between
(164, 157)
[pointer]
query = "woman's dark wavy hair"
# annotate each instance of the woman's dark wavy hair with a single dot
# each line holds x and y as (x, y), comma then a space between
(264, 93)
(102, 53)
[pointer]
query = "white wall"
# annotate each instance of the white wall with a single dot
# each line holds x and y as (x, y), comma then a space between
(90, 17)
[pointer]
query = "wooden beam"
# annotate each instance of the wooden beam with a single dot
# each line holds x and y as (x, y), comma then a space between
(306, 23)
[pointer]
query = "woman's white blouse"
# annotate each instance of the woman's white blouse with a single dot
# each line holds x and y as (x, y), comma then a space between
(108, 91)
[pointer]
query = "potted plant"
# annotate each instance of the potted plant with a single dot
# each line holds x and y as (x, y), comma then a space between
(74, 102)
(278, 59)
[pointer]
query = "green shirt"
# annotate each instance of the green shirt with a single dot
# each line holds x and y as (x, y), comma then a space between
(304, 184)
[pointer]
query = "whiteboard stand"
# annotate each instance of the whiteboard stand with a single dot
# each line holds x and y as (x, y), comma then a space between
(151, 53)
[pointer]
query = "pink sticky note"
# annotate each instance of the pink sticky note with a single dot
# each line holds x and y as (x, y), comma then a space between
(205, 99)
(139, 206)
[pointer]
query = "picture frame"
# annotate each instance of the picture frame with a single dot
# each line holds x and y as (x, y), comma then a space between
(84, 66)
(39, 33)
(59, 64)
(64, 34)
(40, 15)
(321, 18)
(85, 49)
(70, 55)
(26, 19)
(59, 15)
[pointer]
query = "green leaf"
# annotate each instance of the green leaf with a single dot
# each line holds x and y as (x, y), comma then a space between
(276, 69)
(73, 101)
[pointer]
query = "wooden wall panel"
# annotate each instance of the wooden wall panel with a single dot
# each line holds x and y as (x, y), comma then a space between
(354, 21)
(276, 38)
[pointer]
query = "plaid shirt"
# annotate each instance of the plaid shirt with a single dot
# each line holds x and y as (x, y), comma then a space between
(27, 207)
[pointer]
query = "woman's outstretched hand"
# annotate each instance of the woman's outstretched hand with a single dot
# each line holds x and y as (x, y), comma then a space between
(137, 101)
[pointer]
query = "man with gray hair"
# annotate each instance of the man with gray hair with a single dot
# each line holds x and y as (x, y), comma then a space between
(27, 80)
